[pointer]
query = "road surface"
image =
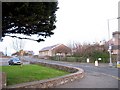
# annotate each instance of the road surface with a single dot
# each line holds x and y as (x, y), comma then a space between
(102, 76)
(4, 62)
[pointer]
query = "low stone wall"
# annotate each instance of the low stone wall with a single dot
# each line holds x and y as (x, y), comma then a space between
(57, 66)
(76, 73)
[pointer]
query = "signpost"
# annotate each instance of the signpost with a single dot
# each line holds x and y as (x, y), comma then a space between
(99, 59)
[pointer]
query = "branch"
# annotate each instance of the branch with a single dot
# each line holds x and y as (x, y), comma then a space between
(39, 40)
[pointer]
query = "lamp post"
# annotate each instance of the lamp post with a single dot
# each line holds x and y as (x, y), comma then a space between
(110, 48)
(6, 51)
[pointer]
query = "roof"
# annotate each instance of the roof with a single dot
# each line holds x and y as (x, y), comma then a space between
(116, 32)
(49, 47)
(1, 53)
(30, 52)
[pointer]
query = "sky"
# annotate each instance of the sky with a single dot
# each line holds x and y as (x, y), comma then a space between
(83, 21)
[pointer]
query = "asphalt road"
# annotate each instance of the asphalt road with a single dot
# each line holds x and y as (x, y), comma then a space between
(4, 62)
(101, 76)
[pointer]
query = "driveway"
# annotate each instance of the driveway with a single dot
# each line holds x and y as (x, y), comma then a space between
(102, 76)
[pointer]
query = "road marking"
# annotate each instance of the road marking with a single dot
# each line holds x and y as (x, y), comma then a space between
(115, 77)
(112, 76)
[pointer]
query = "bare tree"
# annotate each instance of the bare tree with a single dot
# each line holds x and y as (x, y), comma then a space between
(87, 50)
(18, 44)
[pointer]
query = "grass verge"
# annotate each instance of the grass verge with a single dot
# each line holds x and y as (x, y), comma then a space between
(28, 73)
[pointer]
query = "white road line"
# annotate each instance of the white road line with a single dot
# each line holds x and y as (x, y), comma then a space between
(115, 77)
(111, 76)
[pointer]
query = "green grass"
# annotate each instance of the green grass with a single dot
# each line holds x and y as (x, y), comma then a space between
(27, 73)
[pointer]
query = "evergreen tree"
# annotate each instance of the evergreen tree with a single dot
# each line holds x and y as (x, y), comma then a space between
(29, 18)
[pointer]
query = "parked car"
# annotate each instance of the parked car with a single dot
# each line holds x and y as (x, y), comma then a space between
(14, 61)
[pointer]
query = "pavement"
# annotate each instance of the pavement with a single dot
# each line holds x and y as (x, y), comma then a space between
(92, 80)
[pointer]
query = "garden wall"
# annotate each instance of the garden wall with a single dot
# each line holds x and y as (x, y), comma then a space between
(76, 73)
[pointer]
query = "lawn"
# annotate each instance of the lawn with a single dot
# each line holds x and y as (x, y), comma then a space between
(27, 73)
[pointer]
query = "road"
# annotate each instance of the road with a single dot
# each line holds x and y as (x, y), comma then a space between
(4, 62)
(102, 76)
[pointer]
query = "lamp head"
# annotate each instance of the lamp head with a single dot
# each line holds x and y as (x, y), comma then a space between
(118, 17)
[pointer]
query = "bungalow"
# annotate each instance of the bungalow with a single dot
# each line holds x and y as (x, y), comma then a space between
(54, 50)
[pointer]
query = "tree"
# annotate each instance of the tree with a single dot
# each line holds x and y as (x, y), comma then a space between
(29, 18)
(18, 44)
(92, 51)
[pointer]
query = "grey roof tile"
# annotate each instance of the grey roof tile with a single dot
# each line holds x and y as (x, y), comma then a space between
(48, 48)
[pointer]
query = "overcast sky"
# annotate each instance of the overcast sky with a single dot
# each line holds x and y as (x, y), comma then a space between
(77, 21)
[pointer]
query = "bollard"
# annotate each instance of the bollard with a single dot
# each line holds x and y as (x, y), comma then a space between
(96, 63)
(88, 60)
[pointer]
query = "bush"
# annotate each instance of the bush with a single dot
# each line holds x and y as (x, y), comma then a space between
(93, 56)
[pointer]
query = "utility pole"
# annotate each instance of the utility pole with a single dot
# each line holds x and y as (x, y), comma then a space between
(110, 47)
(6, 51)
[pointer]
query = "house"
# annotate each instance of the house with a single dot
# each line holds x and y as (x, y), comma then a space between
(19, 53)
(58, 49)
(1, 53)
(29, 53)
(23, 53)
(115, 43)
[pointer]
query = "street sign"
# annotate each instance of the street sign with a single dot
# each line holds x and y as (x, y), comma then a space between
(110, 47)
(99, 59)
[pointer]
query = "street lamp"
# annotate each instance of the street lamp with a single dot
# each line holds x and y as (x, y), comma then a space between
(110, 46)
(110, 63)
(118, 18)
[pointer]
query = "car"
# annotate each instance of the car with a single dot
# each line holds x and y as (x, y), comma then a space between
(14, 61)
